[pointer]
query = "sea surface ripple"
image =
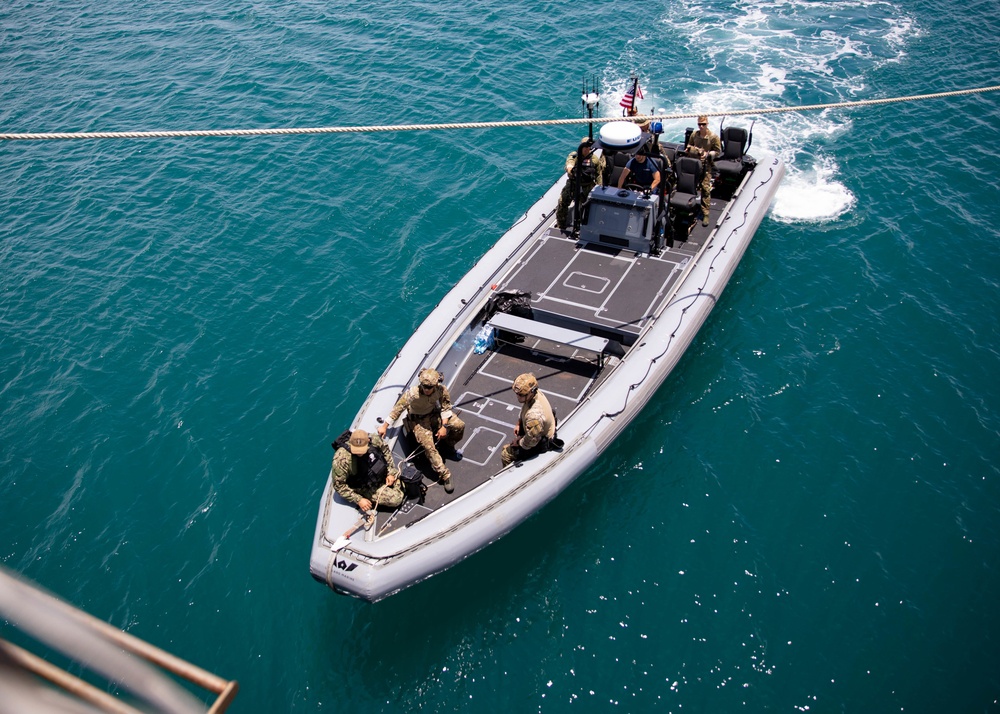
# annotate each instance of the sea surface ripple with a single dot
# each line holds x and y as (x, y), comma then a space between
(808, 516)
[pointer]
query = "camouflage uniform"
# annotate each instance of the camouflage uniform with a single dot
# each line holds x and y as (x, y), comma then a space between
(593, 170)
(424, 417)
(345, 466)
(707, 143)
(642, 123)
(536, 427)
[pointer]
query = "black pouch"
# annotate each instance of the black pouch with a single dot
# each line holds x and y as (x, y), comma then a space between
(343, 441)
(413, 483)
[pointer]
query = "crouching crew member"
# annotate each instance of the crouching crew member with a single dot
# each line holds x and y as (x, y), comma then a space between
(364, 473)
(431, 421)
(535, 427)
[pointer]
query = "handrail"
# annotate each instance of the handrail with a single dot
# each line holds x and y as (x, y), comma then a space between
(95, 644)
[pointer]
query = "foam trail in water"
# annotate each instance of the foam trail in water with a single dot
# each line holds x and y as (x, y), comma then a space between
(812, 195)
(773, 54)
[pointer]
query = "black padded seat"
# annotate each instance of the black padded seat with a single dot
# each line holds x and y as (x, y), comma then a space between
(734, 146)
(686, 196)
(617, 165)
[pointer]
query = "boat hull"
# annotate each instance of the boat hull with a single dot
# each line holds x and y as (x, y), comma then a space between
(396, 553)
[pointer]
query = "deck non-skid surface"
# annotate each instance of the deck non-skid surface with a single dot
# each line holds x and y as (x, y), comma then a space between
(605, 288)
(611, 289)
(487, 404)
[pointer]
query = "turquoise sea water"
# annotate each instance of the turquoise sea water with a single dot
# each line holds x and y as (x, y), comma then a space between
(808, 518)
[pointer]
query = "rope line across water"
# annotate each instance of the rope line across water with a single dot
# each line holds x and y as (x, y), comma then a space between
(468, 125)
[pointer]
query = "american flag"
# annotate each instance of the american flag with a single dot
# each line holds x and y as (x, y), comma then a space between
(629, 99)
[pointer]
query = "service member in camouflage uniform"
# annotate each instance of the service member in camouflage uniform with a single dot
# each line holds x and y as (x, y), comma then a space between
(704, 144)
(633, 111)
(430, 419)
(364, 473)
(591, 174)
(536, 426)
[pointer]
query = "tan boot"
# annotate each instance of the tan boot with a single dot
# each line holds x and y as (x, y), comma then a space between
(445, 478)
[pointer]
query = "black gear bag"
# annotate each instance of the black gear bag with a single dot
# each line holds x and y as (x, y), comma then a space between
(512, 302)
(413, 482)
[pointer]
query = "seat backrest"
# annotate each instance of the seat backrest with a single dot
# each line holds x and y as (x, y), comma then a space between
(734, 143)
(617, 165)
(689, 173)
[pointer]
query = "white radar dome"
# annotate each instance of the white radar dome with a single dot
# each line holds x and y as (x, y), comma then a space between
(620, 135)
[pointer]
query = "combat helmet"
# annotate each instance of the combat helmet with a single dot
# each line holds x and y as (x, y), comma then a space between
(429, 377)
(525, 385)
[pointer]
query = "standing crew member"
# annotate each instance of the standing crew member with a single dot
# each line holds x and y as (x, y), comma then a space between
(535, 427)
(588, 174)
(704, 144)
(430, 419)
(364, 473)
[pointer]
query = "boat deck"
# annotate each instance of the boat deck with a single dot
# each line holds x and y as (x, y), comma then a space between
(591, 288)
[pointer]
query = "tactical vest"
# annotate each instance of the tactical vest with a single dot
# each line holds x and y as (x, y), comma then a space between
(368, 471)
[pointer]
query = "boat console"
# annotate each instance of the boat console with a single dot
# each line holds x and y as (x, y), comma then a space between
(620, 218)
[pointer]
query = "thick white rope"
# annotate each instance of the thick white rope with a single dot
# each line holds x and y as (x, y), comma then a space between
(469, 125)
